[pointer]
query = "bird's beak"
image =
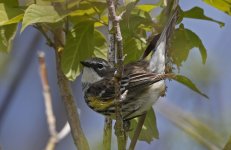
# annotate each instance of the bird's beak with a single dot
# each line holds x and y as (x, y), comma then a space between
(85, 63)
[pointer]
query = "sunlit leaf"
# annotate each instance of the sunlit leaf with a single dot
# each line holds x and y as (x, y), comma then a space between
(7, 34)
(149, 130)
(182, 41)
(102, 22)
(187, 82)
(80, 12)
(40, 13)
(147, 7)
(129, 1)
(79, 46)
(198, 13)
(100, 45)
(223, 5)
(89, 8)
(9, 15)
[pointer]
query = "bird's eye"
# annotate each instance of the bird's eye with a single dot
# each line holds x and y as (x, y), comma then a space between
(100, 66)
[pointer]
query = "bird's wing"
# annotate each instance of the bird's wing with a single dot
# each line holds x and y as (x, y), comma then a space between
(139, 81)
(105, 90)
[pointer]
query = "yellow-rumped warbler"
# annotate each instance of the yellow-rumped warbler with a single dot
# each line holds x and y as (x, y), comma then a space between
(143, 81)
(144, 87)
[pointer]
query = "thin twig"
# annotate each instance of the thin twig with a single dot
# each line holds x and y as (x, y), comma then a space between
(137, 132)
(48, 103)
(121, 137)
(55, 137)
(66, 92)
(41, 30)
(64, 132)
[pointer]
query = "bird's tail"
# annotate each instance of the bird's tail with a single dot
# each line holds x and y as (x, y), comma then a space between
(158, 59)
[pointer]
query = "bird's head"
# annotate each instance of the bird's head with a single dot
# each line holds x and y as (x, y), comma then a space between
(95, 69)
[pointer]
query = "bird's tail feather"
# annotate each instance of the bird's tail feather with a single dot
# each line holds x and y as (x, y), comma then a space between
(158, 59)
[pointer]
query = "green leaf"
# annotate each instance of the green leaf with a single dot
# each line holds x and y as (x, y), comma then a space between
(103, 19)
(9, 15)
(10, 3)
(187, 82)
(198, 13)
(80, 12)
(7, 34)
(182, 41)
(100, 45)
(133, 29)
(79, 46)
(147, 7)
(88, 10)
(149, 130)
(222, 5)
(133, 49)
(38, 2)
(135, 19)
(40, 13)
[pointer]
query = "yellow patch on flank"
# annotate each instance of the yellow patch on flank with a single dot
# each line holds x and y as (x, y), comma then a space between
(98, 104)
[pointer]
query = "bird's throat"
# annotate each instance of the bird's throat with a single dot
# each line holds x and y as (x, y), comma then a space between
(89, 76)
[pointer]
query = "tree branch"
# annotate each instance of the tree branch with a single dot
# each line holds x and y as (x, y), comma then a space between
(48, 103)
(68, 99)
(54, 136)
(119, 131)
(111, 59)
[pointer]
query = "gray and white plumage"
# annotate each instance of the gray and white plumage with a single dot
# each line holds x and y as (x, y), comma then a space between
(143, 80)
(143, 86)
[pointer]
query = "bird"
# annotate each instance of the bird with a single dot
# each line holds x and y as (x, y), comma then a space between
(143, 87)
(143, 81)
